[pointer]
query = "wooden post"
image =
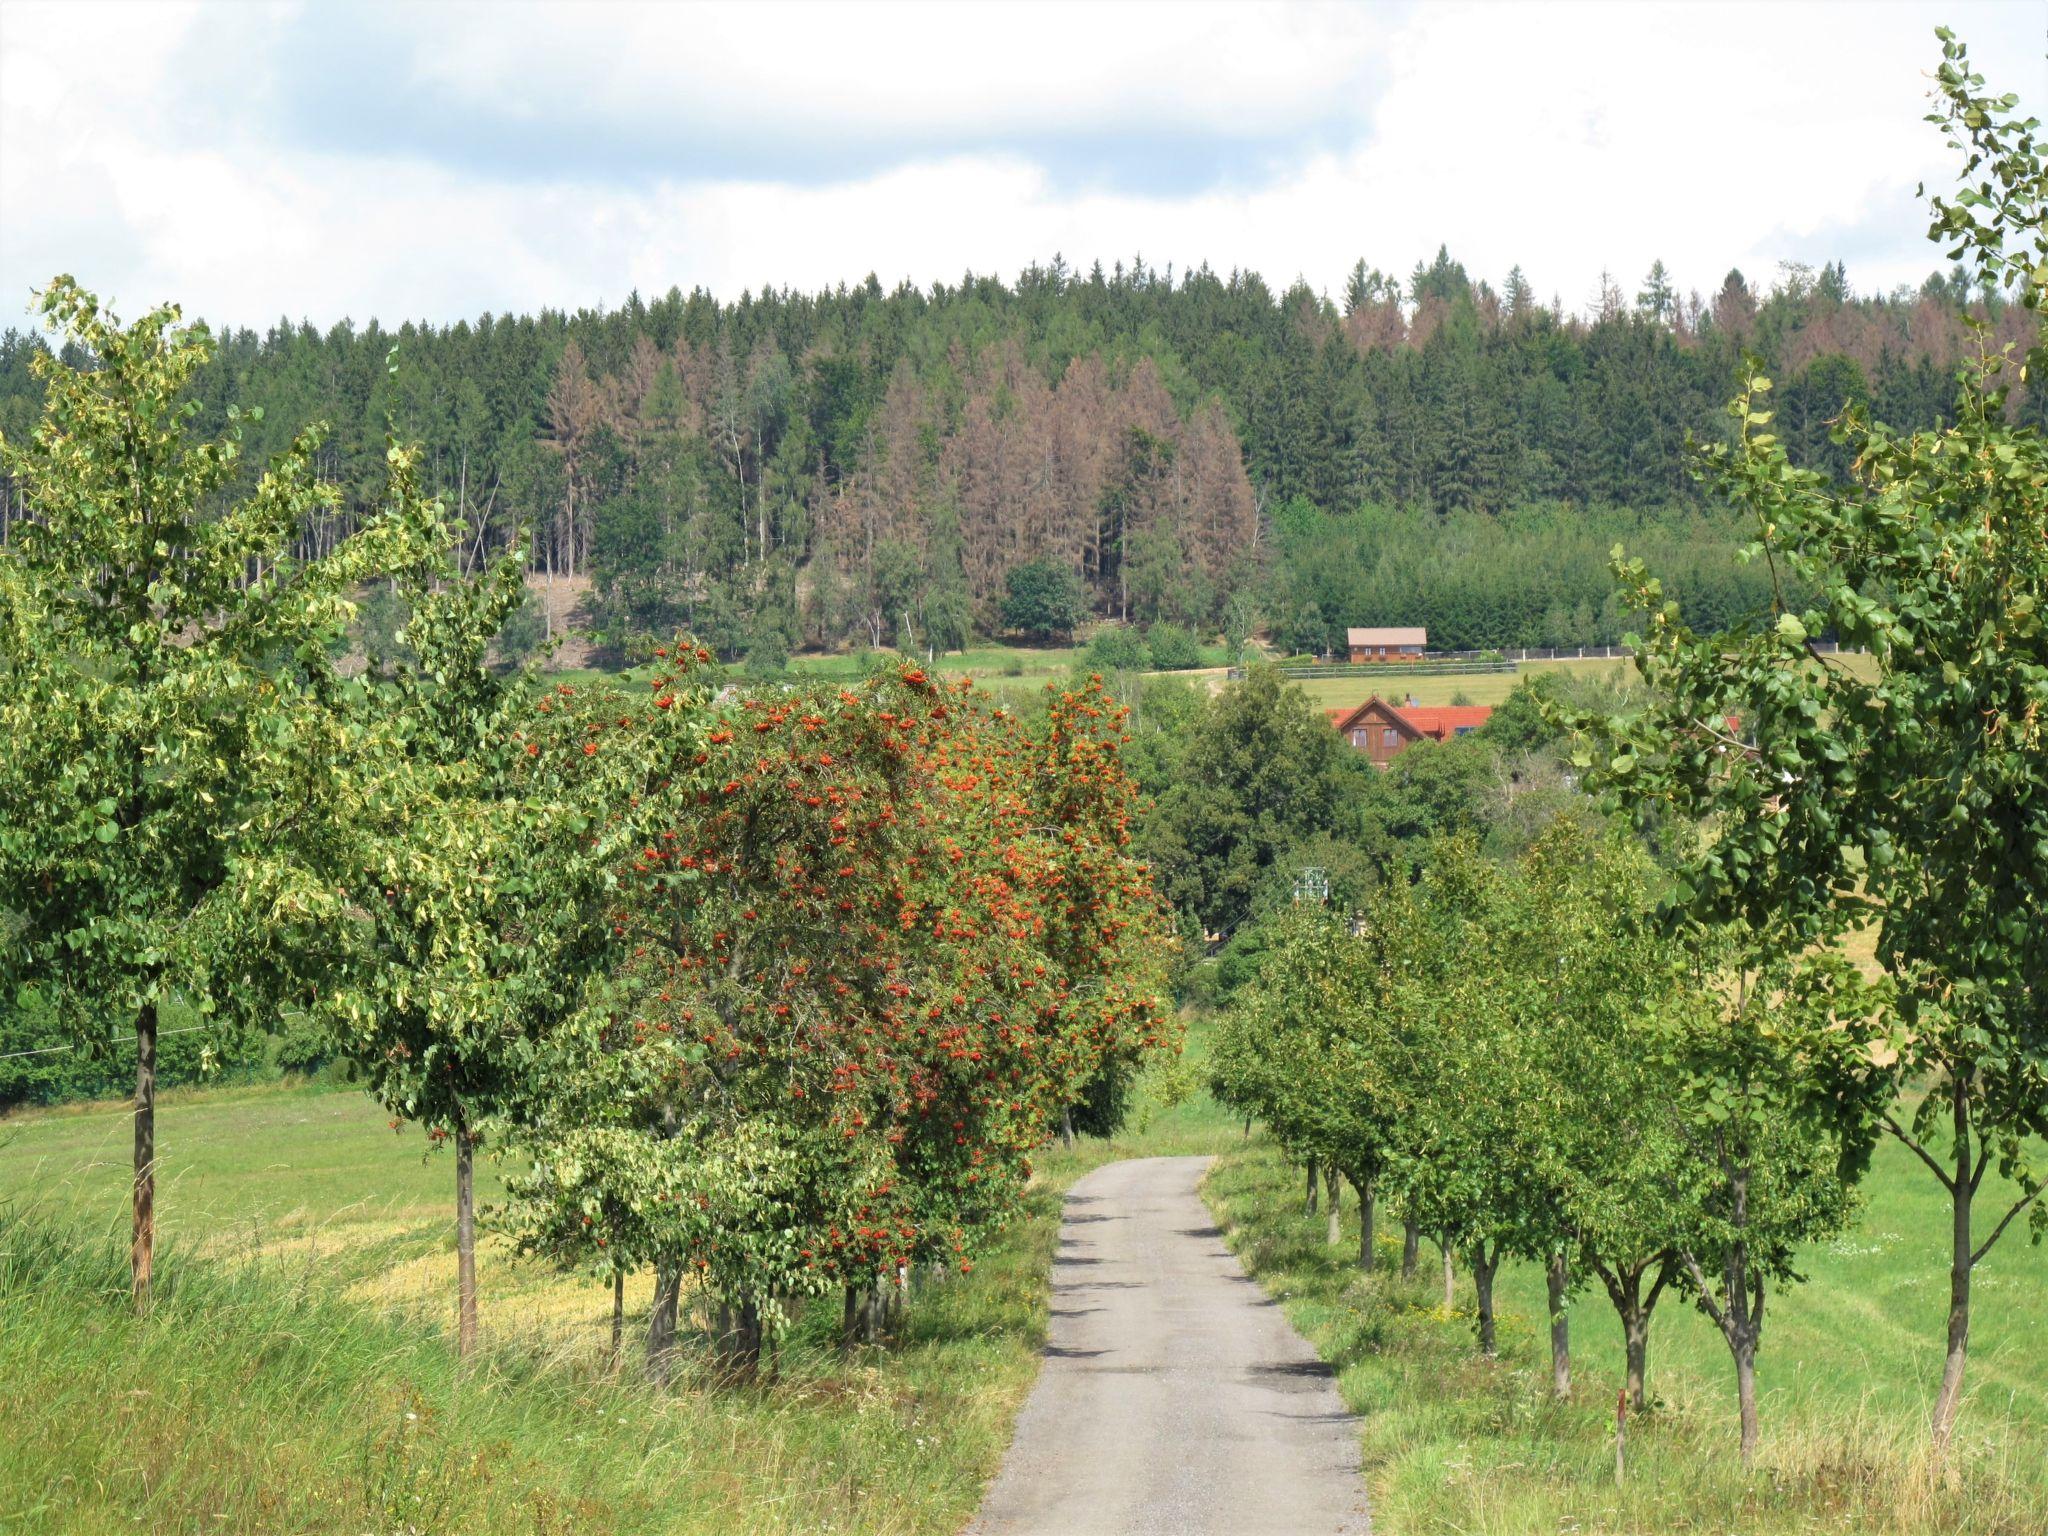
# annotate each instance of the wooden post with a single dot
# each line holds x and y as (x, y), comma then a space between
(465, 1241)
(142, 1248)
(1620, 1434)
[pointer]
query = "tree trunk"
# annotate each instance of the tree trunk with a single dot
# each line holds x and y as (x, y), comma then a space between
(142, 1247)
(1366, 1202)
(1556, 1280)
(1962, 1193)
(1482, 1285)
(849, 1320)
(1411, 1247)
(744, 1345)
(1308, 1204)
(1625, 1290)
(1745, 1392)
(1067, 1126)
(661, 1322)
(875, 1312)
(465, 1242)
(618, 1313)
(1333, 1192)
(1450, 1289)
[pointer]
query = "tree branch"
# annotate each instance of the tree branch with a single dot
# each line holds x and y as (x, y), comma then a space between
(1892, 1125)
(1706, 1297)
(1999, 1231)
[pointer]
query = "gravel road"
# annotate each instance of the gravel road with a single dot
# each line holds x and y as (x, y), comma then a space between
(1174, 1400)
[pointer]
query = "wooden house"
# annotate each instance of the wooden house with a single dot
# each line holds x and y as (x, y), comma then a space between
(1383, 731)
(1373, 645)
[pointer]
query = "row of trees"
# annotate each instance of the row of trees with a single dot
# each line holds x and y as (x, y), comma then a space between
(1668, 1074)
(1516, 1058)
(777, 991)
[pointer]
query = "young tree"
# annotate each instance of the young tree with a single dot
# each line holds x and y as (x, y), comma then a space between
(1912, 793)
(481, 917)
(168, 705)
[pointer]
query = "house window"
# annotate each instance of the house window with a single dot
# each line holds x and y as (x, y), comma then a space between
(1462, 730)
(1390, 738)
(1358, 738)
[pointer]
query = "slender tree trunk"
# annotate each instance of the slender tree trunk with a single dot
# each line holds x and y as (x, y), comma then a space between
(1366, 1202)
(1557, 1278)
(661, 1322)
(1745, 1393)
(849, 1320)
(618, 1313)
(1963, 1194)
(1483, 1268)
(1333, 1192)
(1450, 1288)
(1411, 1247)
(1067, 1126)
(1308, 1204)
(1634, 1309)
(744, 1345)
(1635, 1335)
(875, 1312)
(465, 1242)
(142, 1247)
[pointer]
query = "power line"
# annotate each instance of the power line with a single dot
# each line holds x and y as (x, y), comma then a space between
(46, 1050)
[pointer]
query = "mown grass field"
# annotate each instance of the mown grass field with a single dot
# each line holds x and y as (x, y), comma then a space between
(1847, 1374)
(1009, 668)
(1440, 687)
(296, 1374)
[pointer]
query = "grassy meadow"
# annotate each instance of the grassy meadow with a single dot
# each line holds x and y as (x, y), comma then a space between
(298, 1374)
(1846, 1378)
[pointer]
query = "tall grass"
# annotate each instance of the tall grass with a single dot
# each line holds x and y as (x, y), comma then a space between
(286, 1381)
(1454, 1443)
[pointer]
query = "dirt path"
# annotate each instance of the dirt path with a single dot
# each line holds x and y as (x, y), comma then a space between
(1175, 1399)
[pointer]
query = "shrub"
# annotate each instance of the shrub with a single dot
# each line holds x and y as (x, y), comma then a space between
(1173, 647)
(1117, 648)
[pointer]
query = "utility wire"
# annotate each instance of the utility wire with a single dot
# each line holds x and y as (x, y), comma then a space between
(46, 1050)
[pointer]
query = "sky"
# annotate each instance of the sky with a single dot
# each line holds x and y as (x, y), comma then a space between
(433, 161)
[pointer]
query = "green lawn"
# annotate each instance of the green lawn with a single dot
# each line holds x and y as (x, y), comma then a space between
(1847, 1373)
(1477, 687)
(295, 1374)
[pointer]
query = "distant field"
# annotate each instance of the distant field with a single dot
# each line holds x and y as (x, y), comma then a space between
(1476, 688)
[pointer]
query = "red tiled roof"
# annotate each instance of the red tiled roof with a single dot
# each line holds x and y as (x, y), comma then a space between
(1438, 722)
(1445, 720)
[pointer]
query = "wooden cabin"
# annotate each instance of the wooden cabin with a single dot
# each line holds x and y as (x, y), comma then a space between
(1374, 645)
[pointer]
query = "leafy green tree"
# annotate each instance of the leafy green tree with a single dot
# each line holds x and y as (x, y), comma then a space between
(481, 922)
(1045, 600)
(1910, 793)
(168, 704)
(1116, 648)
(1172, 647)
(1305, 1049)
(1262, 771)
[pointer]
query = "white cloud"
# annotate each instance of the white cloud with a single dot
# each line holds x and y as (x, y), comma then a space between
(151, 149)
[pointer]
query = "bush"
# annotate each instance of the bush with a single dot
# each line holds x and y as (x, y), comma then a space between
(1174, 647)
(1045, 600)
(1117, 648)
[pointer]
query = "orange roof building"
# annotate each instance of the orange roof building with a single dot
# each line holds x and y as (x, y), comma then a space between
(1383, 731)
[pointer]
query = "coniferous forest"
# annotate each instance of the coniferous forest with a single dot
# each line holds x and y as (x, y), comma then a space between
(864, 466)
